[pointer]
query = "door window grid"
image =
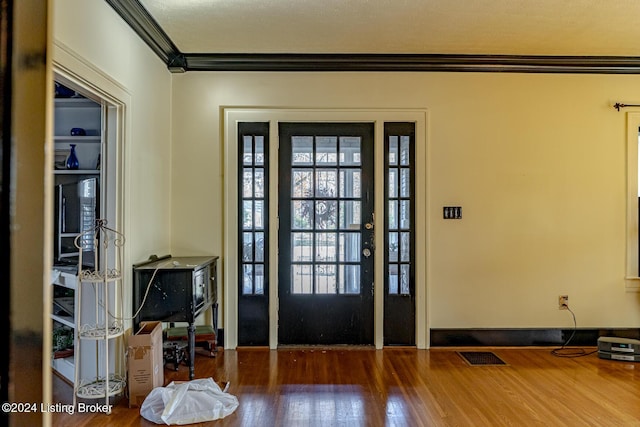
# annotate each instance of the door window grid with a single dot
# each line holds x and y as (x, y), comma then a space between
(399, 214)
(325, 210)
(254, 214)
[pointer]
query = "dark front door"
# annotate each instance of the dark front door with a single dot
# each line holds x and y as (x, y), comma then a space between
(326, 201)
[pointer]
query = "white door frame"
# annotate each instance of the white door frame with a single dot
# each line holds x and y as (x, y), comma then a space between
(231, 116)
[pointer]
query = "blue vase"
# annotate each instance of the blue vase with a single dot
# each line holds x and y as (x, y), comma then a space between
(72, 159)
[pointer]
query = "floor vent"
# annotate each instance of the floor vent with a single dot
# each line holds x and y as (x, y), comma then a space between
(481, 358)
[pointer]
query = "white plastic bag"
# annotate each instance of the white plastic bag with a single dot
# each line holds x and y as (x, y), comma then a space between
(186, 403)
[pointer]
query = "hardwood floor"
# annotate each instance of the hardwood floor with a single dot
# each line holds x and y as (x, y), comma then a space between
(404, 387)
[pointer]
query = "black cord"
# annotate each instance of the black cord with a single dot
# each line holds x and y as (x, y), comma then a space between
(571, 352)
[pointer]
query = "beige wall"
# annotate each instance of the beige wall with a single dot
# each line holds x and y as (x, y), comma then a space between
(536, 161)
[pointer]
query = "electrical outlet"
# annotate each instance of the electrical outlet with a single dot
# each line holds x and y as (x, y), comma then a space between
(563, 302)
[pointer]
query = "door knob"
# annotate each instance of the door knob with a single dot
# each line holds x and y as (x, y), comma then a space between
(366, 252)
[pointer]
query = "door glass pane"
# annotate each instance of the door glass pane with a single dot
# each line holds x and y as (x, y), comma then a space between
(404, 150)
(350, 215)
(301, 183)
(247, 153)
(247, 182)
(247, 279)
(350, 185)
(325, 247)
(259, 183)
(326, 183)
(393, 183)
(349, 279)
(393, 150)
(247, 247)
(404, 279)
(405, 219)
(349, 248)
(302, 245)
(405, 182)
(393, 279)
(302, 214)
(259, 279)
(259, 247)
(259, 140)
(247, 214)
(349, 150)
(326, 150)
(405, 253)
(259, 214)
(326, 189)
(326, 214)
(326, 278)
(301, 279)
(393, 247)
(393, 215)
(302, 150)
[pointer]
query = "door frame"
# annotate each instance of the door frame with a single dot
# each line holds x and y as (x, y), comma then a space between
(230, 117)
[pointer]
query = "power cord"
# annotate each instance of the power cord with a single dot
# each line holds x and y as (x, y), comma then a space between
(571, 352)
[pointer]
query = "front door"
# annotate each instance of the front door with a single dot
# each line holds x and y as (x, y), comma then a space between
(326, 201)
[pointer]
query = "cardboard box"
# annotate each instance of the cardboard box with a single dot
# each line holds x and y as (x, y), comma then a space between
(145, 364)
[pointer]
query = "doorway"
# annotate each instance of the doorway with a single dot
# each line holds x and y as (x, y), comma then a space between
(326, 233)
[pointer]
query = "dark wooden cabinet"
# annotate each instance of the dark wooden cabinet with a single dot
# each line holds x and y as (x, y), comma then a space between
(175, 289)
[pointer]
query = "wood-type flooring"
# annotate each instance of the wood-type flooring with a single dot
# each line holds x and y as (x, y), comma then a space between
(403, 387)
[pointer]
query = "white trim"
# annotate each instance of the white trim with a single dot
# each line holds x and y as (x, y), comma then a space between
(72, 68)
(231, 116)
(632, 281)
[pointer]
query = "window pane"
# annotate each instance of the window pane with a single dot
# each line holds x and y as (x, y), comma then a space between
(326, 183)
(247, 247)
(259, 247)
(301, 183)
(404, 150)
(349, 279)
(247, 182)
(301, 279)
(326, 278)
(247, 154)
(350, 184)
(405, 182)
(405, 246)
(326, 214)
(393, 183)
(259, 183)
(405, 219)
(349, 150)
(393, 215)
(393, 150)
(350, 215)
(247, 214)
(301, 247)
(325, 247)
(404, 279)
(302, 150)
(259, 279)
(393, 279)
(247, 279)
(393, 247)
(326, 150)
(349, 249)
(302, 214)
(259, 214)
(259, 140)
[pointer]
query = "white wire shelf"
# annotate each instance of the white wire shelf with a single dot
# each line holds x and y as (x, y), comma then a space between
(92, 276)
(95, 389)
(99, 332)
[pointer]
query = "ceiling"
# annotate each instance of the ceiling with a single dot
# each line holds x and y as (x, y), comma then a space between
(559, 36)
(503, 27)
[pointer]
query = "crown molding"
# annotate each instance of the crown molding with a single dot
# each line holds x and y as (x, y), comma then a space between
(146, 27)
(153, 35)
